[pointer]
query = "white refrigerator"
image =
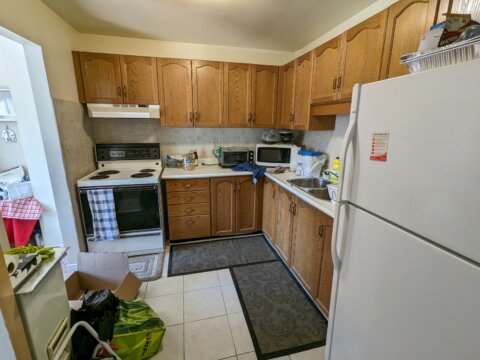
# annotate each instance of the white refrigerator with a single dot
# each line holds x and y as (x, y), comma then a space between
(406, 243)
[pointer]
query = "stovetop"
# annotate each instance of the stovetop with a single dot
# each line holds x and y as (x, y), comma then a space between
(122, 175)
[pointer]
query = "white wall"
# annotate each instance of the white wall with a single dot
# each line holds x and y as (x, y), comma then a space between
(37, 123)
(11, 154)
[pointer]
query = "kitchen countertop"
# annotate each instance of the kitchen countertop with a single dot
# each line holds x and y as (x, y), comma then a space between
(41, 272)
(209, 171)
(325, 206)
(201, 171)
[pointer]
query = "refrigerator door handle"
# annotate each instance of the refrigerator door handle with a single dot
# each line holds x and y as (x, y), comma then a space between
(352, 127)
(337, 262)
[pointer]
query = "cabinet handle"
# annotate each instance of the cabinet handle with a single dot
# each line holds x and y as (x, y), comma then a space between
(253, 118)
(294, 209)
(290, 208)
(119, 91)
(191, 222)
(249, 118)
(189, 210)
(273, 194)
(339, 83)
(124, 91)
(195, 116)
(190, 117)
(334, 86)
(320, 231)
(187, 185)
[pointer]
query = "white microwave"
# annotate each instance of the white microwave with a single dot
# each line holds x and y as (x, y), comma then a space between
(284, 155)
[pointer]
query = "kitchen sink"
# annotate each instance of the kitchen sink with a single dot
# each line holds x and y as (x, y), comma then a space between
(317, 187)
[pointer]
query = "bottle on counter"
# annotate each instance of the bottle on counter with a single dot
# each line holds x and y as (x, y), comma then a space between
(336, 164)
(195, 154)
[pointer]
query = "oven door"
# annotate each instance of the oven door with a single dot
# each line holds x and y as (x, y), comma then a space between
(137, 209)
(273, 156)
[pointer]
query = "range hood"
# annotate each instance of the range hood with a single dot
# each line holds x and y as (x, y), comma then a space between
(123, 111)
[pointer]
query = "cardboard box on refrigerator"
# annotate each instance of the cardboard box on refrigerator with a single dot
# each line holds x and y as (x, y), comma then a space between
(97, 271)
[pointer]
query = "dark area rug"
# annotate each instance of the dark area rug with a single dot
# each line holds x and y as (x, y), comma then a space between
(218, 254)
(281, 318)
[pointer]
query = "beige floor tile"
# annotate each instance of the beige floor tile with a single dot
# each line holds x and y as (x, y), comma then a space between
(172, 344)
(165, 286)
(208, 339)
(225, 277)
(199, 281)
(247, 356)
(312, 354)
(231, 358)
(282, 358)
(168, 307)
(241, 336)
(203, 304)
(232, 304)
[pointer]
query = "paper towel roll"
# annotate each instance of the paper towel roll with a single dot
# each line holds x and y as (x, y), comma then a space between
(11, 261)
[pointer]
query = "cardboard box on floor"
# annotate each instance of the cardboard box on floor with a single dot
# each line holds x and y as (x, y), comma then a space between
(97, 271)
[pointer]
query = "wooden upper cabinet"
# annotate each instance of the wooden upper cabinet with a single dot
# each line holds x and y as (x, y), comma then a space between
(303, 88)
(264, 96)
(307, 245)
(286, 91)
(139, 79)
(102, 79)
(223, 191)
(247, 204)
(284, 223)
(362, 51)
(407, 21)
(207, 93)
(175, 92)
(238, 94)
(324, 291)
(326, 70)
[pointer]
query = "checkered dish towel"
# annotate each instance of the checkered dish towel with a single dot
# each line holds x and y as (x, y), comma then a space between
(23, 209)
(102, 206)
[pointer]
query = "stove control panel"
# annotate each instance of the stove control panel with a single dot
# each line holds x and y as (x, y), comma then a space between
(112, 152)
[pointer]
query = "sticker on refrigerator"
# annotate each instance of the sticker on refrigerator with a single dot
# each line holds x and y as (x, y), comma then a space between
(379, 148)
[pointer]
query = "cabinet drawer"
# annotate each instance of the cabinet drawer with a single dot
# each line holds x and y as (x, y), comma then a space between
(188, 197)
(189, 209)
(188, 185)
(189, 227)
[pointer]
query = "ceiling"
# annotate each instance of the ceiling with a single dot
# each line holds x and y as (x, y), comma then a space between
(285, 25)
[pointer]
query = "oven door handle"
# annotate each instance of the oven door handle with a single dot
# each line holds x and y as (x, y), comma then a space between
(120, 189)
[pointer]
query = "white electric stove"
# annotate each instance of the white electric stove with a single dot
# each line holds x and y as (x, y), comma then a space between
(132, 172)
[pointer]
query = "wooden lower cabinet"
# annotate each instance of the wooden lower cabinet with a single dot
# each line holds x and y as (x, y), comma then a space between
(235, 205)
(324, 291)
(223, 205)
(302, 236)
(307, 245)
(188, 207)
(269, 219)
(284, 223)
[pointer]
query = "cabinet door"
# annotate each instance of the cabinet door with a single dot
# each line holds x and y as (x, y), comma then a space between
(326, 273)
(362, 54)
(207, 93)
(175, 84)
(264, 96)
(284, 223)
(407, 21)
(269, 220)
(139, 78)
(102, 79)
(223, 191)
(307, 245)
(303, 89)
(247, 205)
(326, 69)
(286, 92)
(237, 94)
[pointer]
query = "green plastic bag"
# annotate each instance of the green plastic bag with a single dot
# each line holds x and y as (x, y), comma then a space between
(138, 332)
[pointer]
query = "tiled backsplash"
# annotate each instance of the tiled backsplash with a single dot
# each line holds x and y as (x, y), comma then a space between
(180, 141)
